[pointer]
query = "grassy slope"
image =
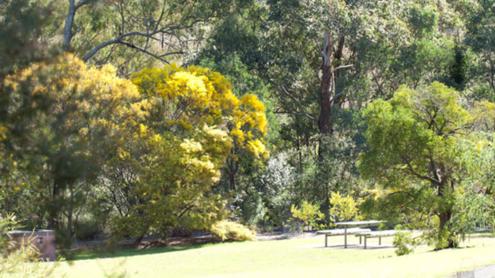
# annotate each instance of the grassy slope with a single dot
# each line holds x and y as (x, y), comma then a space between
(285, 258)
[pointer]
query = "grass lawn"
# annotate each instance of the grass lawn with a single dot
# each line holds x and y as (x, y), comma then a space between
(302, 257)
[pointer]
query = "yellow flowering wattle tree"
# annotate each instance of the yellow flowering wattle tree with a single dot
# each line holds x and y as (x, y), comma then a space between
(146, 154)
(183, 130)
(193, 97)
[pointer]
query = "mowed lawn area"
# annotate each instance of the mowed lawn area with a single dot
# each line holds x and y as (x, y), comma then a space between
(300, 257)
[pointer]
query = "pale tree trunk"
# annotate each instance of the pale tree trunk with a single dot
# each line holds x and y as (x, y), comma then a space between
(69, 22)
(327, 88)
(330, 99)
(327, 85)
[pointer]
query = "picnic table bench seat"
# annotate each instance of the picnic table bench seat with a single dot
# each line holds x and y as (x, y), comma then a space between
(374, 234)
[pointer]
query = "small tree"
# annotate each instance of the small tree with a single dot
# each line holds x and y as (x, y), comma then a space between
(416, 141)
(343, 207)
(308, 213)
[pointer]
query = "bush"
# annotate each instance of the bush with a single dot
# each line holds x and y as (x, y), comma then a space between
(231, 231)
(308, 213)
(344, 208)
(404, 243)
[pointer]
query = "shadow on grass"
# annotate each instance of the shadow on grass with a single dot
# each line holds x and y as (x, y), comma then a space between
(129, 252)
(356, 246)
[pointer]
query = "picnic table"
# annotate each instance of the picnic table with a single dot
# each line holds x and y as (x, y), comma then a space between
(375, 234)
(349, 227)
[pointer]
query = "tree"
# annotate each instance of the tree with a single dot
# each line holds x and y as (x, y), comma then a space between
(326, 59)
(308, 213)
(480, 37)
(23, 22)
(60, 117)
(344, 208)
(143, 31)
(181, 136)
(414, 141)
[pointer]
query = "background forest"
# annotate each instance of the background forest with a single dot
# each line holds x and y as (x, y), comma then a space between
(130, 118)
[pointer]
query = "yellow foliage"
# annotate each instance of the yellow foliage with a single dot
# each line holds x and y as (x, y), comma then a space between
(3, 133)
(232, 231)
(69, 81)
(343, 207)
(193, 97)
(308, 213)
(191, 146)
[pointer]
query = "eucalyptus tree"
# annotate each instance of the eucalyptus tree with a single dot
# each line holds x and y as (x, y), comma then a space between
(326, 59)
(416, 142)
(481, 38)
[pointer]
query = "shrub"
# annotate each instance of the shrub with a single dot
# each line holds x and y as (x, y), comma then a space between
(343, 207)
(308, 213)
(88, 229)
(231, 231)
(404, 243)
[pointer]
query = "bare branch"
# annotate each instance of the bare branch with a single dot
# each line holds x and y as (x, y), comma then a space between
(344, 67)
(158, 57)
(119, 39)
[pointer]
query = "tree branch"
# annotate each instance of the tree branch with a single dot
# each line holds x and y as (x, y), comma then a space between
(418, 175)
(82, 3)
(344, 67)
(158, 57)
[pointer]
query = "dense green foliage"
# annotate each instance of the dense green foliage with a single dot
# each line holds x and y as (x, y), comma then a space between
(416, 142)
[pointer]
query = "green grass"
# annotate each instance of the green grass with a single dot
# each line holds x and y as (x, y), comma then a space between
(303, 257)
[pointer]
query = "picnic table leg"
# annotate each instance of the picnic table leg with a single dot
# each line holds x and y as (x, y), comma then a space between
(345, 237)
(379, 240)
(326, 240)
(359, 239)
(365, 241)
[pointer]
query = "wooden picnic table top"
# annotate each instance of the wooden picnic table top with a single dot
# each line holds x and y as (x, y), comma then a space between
(342, 231)
(359, 223)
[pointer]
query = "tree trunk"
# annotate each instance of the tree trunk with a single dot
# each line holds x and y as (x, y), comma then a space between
(232, 169)
(53, 206)
(70, 217)
(69, 22)
(138, 240)
(445, 215)
(327, 87)
(329, 98)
